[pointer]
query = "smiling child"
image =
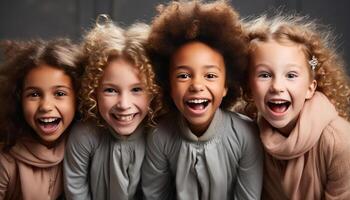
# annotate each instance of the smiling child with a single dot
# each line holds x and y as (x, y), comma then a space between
(120, 101)
(201, 150)
(38, 85)
(301, 92)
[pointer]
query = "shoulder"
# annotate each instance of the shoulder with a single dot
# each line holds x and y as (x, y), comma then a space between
(335, 140)
(167, 127)
(7, 165)
(242, 125)
(85, 133)
(165, 133)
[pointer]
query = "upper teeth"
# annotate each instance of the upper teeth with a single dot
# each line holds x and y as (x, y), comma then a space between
(197, 100)
(47, 120)
(278, 102)
(124, 117)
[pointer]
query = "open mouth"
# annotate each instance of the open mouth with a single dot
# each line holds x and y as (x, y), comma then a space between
(278, 106)
(124, 118)
(197, 104)
(49, 125)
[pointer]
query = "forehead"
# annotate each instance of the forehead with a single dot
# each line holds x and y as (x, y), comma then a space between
(45, 75)
(278, 44)
(121, 70)
(278, 52)
(195, 54)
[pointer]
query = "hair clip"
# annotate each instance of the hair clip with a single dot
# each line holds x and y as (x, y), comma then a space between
(103, 19)
(313, 62)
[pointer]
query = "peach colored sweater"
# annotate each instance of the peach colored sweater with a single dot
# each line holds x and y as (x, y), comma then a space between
(313, 162)
(30, 170)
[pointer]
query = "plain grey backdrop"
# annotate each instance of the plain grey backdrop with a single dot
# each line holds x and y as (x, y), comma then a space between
(27, 19)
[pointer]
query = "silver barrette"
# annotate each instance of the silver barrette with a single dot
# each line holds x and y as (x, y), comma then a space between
(103, 19)
(313, 62)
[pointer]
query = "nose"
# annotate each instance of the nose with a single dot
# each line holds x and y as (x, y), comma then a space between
(277, 86)
(46, 105)
(123, 101)
(196, 85)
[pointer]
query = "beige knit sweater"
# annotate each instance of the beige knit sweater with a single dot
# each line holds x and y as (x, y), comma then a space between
(31, 171)
(313, 162)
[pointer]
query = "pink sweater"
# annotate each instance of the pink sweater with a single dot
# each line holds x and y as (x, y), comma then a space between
(313, 162)
(31, 171)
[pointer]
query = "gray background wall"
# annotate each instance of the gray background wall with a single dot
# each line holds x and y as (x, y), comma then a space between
(25, 19)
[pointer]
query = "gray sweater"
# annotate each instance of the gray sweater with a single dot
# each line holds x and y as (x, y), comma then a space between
(99, 164)
(224, 163)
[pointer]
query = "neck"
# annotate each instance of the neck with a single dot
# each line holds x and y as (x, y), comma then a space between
(288, 128)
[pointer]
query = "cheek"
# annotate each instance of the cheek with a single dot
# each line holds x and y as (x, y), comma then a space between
(28, 110)
(258, 88)
(143, 102)
(70, 107)
(180, 88)
(103, 104)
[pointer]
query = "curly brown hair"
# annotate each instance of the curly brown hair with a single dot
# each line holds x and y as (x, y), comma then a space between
(19, 59)
(315, 40)
(215, 24)
(104, 43)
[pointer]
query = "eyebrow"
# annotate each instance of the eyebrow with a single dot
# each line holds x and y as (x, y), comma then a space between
(188, 67)
(114, 85)
(54, 87)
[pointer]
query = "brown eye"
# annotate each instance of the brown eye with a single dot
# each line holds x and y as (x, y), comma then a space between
(183, 76)
(32, 94)
(264, 75)
(211, 76)
(60, 94)
(292, 75)
(109, 90)
(137, 89)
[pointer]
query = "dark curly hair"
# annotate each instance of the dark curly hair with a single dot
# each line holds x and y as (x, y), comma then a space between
(215, 24)
(19, 59)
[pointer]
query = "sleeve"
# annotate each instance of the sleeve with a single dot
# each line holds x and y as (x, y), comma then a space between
(156, 178)
(76, 163)
(338, 167)
(250, 169)
(4, 177)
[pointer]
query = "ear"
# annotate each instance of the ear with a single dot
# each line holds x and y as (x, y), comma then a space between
(311, 89)
(225, 91)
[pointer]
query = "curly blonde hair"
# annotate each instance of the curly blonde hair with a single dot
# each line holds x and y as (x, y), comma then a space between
(19, 59)
(101, 45)
(215, 24)
(330, 73)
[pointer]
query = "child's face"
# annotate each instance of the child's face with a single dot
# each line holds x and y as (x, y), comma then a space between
(280, 82)
(197, 82)
(121, 97)
(48, 101)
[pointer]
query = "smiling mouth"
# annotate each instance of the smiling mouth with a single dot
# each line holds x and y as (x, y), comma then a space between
(278, 106)
(52, 121)
(49, 125)
(124, 118)
(197, 104)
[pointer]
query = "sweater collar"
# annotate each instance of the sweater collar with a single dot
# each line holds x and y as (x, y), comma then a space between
(138, 133)
(31, 152)
(213, 129)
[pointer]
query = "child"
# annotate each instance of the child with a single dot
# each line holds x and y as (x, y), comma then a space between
(202, 151)
(38, 82)
(301, 92)
(119, 99)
